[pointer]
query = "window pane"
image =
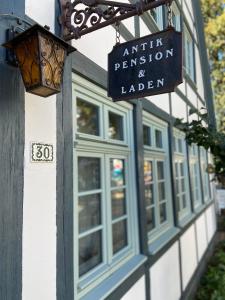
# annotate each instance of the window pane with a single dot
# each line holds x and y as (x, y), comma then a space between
(118, 203)
(119, 236)
(147, 171)
(115, 127)
(176, 170)
(88, 173)
(183, 185)
(117, 172)
(163, 216)
(161, 191)
(180, 146)
(177, 186)
(160, 170)
(181, 169)
(149, 195)
(158, 138)
(184, 202)
(89, 211)
(90, 252)
(178, 202)
(147, 135)
(87, 118)
(150, 219)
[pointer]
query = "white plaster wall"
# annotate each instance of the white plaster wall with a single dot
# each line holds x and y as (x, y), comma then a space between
(39, 210)
(137, 291)
(187, 6)
(165, 276)
(199, 79)
(42, 11)
(97, 45)
(192, 97)
(179, 107)
(188, 255)
(201, 236)
(143, 28)
(162, 101)
(211, 222)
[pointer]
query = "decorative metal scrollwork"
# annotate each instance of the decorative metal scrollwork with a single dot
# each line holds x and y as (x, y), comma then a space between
(80, 17)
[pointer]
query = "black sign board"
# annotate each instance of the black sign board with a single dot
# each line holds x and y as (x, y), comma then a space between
(146, 66)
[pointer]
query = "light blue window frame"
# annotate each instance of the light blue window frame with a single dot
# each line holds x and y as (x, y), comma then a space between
(195, 177)
(157, 16)
(189, 62)
(103, 147)
(180, 157)
(205, 174)
(155, 154)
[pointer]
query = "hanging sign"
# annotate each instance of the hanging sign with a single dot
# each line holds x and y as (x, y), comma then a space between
(146, 66)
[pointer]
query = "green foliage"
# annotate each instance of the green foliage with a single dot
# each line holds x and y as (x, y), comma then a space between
(214, 17)
(199, 132)
(213, 282)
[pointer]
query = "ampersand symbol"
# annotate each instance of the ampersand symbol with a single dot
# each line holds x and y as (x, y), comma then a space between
(141, 74)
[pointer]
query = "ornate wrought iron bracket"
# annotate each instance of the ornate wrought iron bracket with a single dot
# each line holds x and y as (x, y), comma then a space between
(80, 17)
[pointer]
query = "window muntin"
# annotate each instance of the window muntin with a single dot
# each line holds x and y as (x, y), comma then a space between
(189, 54)
(157, 180)
(108, 198)
(181, 176)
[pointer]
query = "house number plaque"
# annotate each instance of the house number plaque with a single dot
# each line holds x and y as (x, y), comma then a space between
(41, 152)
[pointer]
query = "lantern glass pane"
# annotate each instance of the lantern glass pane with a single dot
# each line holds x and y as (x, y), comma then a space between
(27, 55)
(52, 56)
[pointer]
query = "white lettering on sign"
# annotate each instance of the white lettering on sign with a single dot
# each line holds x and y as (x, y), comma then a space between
(133, 62)
(41, 152)
(141, 86)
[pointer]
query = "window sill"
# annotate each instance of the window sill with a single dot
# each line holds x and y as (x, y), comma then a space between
(105, 288)
(186, 220)
(161, 241)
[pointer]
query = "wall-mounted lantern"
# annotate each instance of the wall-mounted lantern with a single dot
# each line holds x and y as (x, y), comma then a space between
(40, 56)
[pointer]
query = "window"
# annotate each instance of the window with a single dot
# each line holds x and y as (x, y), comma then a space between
(195, 176)
(205, 174)
(156, 177)
(189, 54)
(104, 196)
(176, 17)
(157, 16)
(181, 176)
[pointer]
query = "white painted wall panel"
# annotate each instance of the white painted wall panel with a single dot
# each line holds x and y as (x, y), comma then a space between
(165, 276)
(182, 87)
(42, 11)
(191, 95)
(97, 45)
(179, 107)
(162, 101)
(39, 210)
(186, 9)
(199, 79)
(188, 255)
(201, 235)
(211, 222)
(143, 28)
(137, 291)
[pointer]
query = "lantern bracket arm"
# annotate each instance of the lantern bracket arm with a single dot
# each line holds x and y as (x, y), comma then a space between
(80, 17)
